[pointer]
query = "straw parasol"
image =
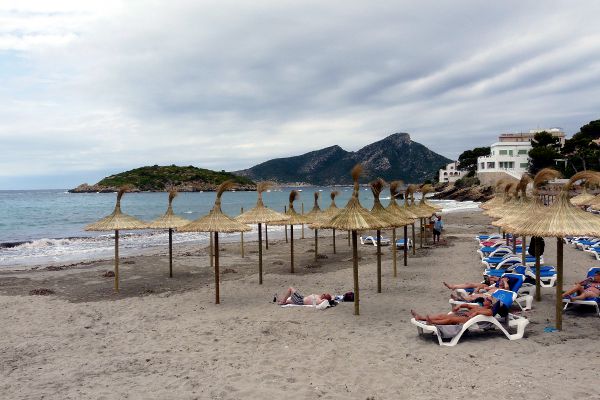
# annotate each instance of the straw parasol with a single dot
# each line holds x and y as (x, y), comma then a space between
(261, 215)
(313, 216)
(393, 219)
(403, 213)
(169, 221)
(419, 212)
(293, 219)
(326, 215)
(408, 193)
(559, 220)
(509, 198)
(354, 218)
(583, 199)
(528, 208)
(497, 199)
(117, 221)
(214, 222)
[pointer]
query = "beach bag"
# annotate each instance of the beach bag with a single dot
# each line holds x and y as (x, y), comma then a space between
(349, 296)
(448, 331)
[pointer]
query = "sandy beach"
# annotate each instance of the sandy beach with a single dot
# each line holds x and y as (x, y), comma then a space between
(162, 338)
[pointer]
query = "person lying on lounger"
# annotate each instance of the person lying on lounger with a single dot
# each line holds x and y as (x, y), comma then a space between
(292, 296)
(479, 289)
(586, 289)
(457, 316)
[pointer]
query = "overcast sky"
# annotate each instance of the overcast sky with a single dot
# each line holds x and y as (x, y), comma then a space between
(89, 88)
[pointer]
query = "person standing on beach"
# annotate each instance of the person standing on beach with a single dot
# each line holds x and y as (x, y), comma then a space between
(438, 226)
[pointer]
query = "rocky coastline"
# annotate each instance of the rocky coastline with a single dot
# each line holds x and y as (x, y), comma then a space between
(470, 193)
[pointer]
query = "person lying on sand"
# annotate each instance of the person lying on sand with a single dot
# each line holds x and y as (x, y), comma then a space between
(457, 316)
(479, 289)
(292, 296)
(586, 289)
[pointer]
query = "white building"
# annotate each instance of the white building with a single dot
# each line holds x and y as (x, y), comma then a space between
(509, 156)
(451, 173)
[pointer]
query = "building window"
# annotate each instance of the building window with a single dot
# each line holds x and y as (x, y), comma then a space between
(524, 165)
(522, 152)
(510, 152)
(503, 152)
(482, 165)
(445, 174)
(491, 165)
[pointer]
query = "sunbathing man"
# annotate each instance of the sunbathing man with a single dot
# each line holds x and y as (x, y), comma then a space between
(586, 289)
(292, 296)
(457, 316)
(479, 289)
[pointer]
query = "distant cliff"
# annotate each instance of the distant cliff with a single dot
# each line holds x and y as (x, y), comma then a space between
(161, 178)
(395, 157)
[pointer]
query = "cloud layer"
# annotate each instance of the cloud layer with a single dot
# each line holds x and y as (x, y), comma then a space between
(92, 89)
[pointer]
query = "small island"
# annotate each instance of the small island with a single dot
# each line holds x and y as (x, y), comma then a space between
(161, 178)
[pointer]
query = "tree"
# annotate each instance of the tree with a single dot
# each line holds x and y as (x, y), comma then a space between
(468, 158)
(544, 152)
(581, 152)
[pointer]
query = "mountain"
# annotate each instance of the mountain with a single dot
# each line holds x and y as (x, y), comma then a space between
(161, 178)
(395, 157)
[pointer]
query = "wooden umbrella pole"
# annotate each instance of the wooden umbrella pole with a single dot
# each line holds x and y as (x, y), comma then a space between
(217, 268)
(413, 239)
(349, 244)
(514, 247)
(170, 252)
(333, 240)
(559, 282)
(242, 234)
(285, 227)
(406, 245)
(302, 224)
(292, 249)
(421, 235)
(266, 237)
(378, 261)
(538, 291)
(260, 253)
(523, 252)
(355, 272)
(394, 252)
(210, 250)
(506, 235)
(116, 260)
(316, 243)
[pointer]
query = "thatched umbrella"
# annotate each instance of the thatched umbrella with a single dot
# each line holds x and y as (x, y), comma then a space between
(527, 209)
(169, 221)
(214, 222)
(583, 199)
(354, 218)
(404, 214)
(393, 219)
(408, 194)
(261, 215)
(559, 220)
(313, 216)
(419, 211)
(326, 215)
(117, 221)
(497, 199)
(293, 219)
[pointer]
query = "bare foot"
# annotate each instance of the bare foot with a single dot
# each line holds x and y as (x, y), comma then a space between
(448, 286)
(428, 320)
(413, 313)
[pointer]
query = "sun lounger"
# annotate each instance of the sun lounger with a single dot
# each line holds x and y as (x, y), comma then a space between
(516, 282)
(593, 302)
(400, 243)
(482, 238)
(547, 274)
(373, 240)
(480, 323)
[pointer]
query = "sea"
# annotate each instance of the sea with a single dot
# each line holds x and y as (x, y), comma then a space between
(46, 227)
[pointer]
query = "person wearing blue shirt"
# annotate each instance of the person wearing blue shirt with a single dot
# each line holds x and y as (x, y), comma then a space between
(438, 226)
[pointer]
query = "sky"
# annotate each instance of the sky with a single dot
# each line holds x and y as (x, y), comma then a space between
(90, 88)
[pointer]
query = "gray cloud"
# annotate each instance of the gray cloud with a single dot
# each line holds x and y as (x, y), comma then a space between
(226, 85)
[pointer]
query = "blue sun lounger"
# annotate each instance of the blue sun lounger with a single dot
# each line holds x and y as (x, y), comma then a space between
(593, 302)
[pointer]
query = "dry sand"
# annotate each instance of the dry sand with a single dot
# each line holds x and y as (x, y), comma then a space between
(164, 338)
